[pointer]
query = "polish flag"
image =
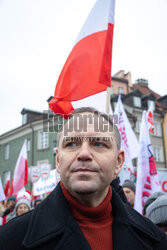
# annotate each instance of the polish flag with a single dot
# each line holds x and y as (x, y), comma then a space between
(20, 177)
(7, 184)
(87, 70)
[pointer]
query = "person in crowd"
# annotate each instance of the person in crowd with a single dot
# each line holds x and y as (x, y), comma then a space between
(150, 199)
(2, 208)
(129, 189)
(84, 212)
(37, 202)
(11, 202)
(157, 212)
(23, 205)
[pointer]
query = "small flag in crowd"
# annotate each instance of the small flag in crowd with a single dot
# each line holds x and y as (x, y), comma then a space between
(129, 142)
(20, 177)
(87, 70)
(2, 194)
(7, 183)
(147, 177)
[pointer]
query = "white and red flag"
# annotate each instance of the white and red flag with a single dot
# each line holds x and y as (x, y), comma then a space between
(129, 142)
(7, 184)
(147, 177)
(87, 70)
(2, 194)
(150, 119)
(20, 176)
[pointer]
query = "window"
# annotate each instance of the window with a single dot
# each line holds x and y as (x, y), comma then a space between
(6, 153)
(137, 101)
(120, 90)
(138, 125)
(157, 129)
(43, 140)
(24, 119)
(28, 144)
(151, 104)
(158, 154)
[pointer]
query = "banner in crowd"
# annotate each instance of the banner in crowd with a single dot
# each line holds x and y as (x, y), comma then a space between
(147, 177)
(126, 174)
(45, 185)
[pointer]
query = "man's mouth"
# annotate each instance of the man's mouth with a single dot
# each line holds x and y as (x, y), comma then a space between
(84, 170)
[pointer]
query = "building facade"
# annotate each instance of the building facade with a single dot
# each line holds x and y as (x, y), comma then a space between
(41, 144)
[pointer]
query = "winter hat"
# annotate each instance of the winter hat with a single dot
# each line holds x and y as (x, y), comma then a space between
(24, 195)
(23, 201)
(152, 198)
(129, 184)
(11, 198)
(157, 210)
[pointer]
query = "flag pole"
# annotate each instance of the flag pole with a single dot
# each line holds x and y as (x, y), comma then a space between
(108, 100)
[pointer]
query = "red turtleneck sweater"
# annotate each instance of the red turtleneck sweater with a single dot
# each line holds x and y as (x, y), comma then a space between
(95, 222)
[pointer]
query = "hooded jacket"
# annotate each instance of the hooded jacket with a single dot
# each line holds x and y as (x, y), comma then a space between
(51, 226)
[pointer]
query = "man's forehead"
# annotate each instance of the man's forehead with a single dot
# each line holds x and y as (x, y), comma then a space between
(87, 125)
(82, 122)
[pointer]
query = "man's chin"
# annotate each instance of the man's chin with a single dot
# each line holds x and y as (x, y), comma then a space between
(83, 188)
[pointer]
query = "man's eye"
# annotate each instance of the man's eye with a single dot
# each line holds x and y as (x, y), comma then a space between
(99, 144)
(71, 144)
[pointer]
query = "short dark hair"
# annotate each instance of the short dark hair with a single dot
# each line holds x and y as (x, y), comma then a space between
(96, 112)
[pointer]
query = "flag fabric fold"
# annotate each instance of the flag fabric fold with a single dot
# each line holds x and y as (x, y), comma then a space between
(87, 70)
(20, 176)
(129, 142)
(147, 177)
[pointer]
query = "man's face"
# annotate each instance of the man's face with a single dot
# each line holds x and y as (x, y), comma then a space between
(130, 195)
(89, 163)
(11, 204)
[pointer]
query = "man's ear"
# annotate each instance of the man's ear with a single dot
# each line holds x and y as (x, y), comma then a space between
(57, 161)
(120, 161)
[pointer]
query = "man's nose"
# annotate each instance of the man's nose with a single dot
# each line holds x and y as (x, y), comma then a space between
(85, 153)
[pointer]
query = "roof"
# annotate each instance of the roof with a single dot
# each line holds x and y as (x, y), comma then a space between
(146, 91)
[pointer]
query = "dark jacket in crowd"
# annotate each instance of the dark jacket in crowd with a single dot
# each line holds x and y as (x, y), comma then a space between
(51, 226)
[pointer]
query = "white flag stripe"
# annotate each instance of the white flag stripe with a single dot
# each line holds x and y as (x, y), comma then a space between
(98, 13)
(97, 101)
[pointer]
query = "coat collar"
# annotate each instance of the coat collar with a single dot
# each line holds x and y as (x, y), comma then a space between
(127, 223)
(53, 218)
(49, 219)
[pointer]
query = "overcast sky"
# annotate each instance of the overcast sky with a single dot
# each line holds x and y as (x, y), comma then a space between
(36, 37)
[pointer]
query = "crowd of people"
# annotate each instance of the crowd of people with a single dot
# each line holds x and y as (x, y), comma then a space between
(16, 205)
(88, 209)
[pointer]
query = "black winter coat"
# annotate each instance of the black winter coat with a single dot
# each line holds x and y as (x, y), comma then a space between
(51, 226)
